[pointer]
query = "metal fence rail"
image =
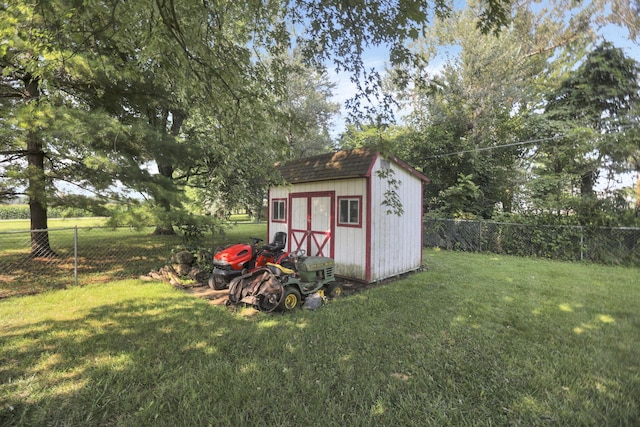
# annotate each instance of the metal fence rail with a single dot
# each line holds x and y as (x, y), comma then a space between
(603, 245)
(92, 255)
(79, 256)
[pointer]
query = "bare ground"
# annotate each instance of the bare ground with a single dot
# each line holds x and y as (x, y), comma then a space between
(219, 297)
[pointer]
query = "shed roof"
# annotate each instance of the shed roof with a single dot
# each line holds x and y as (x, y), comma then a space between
(344, 164)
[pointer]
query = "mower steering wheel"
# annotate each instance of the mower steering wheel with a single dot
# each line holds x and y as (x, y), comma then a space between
(298, 253)
(255, 240)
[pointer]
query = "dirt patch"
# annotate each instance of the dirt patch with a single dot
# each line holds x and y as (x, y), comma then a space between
(219, 297)
(214, 296)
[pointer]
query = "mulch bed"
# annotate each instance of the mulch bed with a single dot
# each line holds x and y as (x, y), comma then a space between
(350, 287)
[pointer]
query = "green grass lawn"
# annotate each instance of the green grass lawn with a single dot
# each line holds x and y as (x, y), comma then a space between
(475, 340)
(105, 254)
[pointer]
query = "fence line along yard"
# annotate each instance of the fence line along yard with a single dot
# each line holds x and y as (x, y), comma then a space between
(602, 245)
(85, 255)
(82, 256)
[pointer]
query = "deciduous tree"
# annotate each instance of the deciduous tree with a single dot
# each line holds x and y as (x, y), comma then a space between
(101, 94)
(596, 110)
(469, 116)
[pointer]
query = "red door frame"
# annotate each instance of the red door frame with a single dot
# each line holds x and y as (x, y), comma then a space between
(326, 236)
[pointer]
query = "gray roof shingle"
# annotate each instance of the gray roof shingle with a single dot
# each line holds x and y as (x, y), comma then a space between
(344, 164)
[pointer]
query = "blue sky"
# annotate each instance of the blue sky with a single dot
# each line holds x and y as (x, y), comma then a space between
(377, 57)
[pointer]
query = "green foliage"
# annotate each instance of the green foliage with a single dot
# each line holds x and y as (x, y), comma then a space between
(470, 117)
(151, 97)
(391, 197)
(480, 115)
(388, 139)
(306, 110)
(538, 236)
(592, 116)
(194, 228)
(459, 201)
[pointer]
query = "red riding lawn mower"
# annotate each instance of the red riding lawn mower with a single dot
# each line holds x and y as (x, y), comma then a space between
(241, 258)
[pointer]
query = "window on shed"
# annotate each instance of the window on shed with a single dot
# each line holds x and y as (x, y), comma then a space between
(279, 210)
(349, 211)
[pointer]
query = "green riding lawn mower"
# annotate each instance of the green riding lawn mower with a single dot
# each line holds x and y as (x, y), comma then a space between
(278, 288)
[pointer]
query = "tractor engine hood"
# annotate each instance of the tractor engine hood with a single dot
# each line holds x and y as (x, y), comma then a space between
(315, 263)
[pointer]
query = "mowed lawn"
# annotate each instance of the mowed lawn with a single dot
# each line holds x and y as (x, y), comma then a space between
(474, 340)
(104, 254)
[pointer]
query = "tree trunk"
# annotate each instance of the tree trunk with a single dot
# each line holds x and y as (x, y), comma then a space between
(166, 169)
(587, 182)
(638, 194)
(164, 230)
(507, 201)
(36, 190)
(587, 195)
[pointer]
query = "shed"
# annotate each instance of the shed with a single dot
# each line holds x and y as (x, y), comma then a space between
(336, 205)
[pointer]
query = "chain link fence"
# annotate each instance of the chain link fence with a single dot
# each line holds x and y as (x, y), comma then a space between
(38, 260)
(603, 245)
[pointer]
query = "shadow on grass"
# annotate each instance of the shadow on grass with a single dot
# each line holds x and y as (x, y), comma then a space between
(106, 258)
(128, 361)
(104, 254)
(435, 349)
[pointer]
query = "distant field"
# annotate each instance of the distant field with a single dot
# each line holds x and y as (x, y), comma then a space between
(24, 224)
(21, 211)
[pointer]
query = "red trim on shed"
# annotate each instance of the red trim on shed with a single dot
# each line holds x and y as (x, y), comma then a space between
(368, 232)
(269, 214)
(307, 236)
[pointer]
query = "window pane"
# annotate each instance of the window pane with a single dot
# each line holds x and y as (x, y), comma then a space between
(278, 210)
(353, 212)
(344, 211)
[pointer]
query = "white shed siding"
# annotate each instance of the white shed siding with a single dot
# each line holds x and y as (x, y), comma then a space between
(351, 242)
(396, 242)
(381, 245)
(274, 227)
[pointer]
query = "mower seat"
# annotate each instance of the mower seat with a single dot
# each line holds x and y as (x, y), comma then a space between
(279, 242)
(277, 269)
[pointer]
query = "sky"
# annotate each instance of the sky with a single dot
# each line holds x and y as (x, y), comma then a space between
(377, 57)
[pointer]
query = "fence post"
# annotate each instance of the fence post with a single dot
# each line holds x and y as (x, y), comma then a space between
(75, 256)
(581, 243)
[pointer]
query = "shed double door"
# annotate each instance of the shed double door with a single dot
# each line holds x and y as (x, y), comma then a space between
(312, 223)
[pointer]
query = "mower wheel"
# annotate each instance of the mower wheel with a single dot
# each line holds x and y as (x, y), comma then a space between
(217, 283)
(334, 290)
(271, 300)
(291, 299)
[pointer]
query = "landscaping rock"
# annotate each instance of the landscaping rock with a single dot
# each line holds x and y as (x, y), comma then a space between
(182, 269)
(183, 257)
(199, 275)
